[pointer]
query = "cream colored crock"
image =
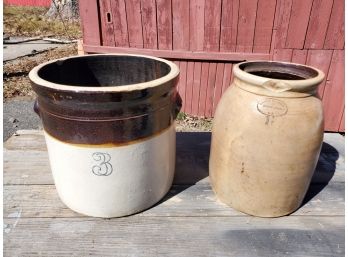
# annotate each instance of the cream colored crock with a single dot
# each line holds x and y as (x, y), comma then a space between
(266, 137)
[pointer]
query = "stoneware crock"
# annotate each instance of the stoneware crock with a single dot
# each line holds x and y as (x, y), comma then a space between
(109, 128)
(266, 137)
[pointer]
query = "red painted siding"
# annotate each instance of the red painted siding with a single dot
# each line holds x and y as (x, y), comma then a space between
(205, 38)
(89, 15)
(333, 98)
(318, 24)
(135, 29)
(321, 60)
(229, 25)
(264, 25)
(164, 24)
(45, 3)
(246, 25)
(298, 23)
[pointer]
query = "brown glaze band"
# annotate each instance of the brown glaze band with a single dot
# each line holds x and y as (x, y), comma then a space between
(113, 131)
(110, 117)
(111, 145)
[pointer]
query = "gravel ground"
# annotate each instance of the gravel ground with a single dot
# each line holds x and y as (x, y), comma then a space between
(18, 114)
(16, 81)
(18, 95)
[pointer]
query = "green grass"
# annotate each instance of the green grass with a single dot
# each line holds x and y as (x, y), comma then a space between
(31, 21)
(181, 116)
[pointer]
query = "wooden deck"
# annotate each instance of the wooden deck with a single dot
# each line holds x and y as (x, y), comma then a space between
(189, 221)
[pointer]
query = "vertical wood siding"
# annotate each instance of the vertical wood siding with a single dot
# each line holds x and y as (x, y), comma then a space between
(206, 37)
(89, 15)
(44, 3)
(164, 24)
(134, 23)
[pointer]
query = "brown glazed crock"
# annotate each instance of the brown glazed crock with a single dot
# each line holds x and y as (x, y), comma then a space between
(101, 99)
(109, 126)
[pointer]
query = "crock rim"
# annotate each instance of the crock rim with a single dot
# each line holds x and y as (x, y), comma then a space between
(259, 80)
(173, 73)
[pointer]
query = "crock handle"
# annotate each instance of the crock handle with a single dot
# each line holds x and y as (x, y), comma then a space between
(276, 86)
(177, 105)
(36, 107)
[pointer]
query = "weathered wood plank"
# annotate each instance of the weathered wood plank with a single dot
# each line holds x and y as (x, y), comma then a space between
(42, 201)
(299, 17)
(182, 82)
(281, 25)
(178, 63)
(320, 59)
(196, 88)
(284, 55)
(335, 33)
(299, 56)
(176, 236)
(264, 25)
(26, 167)
(342, 123)
(89, 21)
(212, 19)
(274, 39)
(148, 19)
(277, 14)
(333, 98)
(134, 23)
(26, 140)
(118, 9)
(189, 87)
(32, 167)
(181, 24)
(318, 23)
(164, 24)
(246, 25)
(203, 88)
(106, 22)
(218, 84)
(197, 25)
(179, 54)
(228, 76)
(208, 112)
(178, 83)
(229, 25)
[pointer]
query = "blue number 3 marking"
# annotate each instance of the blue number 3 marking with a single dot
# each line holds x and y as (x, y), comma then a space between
(103, 168)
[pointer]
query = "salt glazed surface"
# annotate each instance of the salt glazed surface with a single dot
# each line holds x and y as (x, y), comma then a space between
(266, 137)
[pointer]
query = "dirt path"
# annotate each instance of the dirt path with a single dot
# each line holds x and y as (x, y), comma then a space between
(16, 81)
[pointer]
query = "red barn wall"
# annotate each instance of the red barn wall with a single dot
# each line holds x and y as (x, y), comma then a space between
(45, 3)
(206, 37)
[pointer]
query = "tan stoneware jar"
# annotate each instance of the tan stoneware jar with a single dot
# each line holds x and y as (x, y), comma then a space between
(109, 128)
(266, 137)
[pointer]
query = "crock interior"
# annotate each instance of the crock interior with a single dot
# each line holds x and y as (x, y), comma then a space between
(103, 70)
(278, 70)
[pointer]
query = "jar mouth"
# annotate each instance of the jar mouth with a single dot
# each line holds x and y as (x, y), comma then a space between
(279, 70)
(275, 78)
(104, 72)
